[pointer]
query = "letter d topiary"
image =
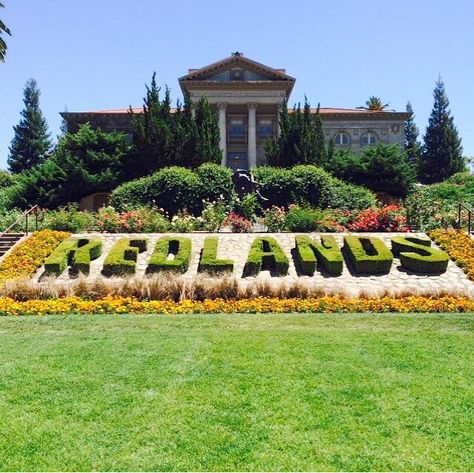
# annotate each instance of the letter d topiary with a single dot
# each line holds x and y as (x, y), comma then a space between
(417, 255)
(368, 255)
(266, 254)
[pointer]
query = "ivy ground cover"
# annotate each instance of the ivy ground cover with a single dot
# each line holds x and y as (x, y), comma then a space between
(229, 393)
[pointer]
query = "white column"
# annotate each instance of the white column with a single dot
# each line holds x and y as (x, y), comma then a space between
(223, 130)
(252, 135)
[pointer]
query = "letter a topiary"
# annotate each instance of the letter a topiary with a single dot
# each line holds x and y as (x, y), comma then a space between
(368, 255)
(266, 254)
(180, 247)
(209, 263)
(417, 255)
(326, 254)
(122, 257)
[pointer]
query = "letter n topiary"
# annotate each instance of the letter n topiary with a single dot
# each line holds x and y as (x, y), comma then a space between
(76, 253)
(417, 255)
(209, 263)
(326, 254)
(368, 255)
(123, 256)
(266, 254)
(179, 247)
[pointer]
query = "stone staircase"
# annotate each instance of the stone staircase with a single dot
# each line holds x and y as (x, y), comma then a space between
(8, 240)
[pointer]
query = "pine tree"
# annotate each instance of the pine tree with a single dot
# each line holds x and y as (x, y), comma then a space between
(442, 150)
(207, 124)
(321, 154)
(31, 143)
(411, 144)
(3, 45)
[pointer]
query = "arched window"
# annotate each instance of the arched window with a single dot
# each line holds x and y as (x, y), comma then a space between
(369, 138)
(341, 139)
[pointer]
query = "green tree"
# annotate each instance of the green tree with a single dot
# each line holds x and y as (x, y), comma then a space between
(321, 153)
(3, 44)
(383, 168)
(374, 104)
(84, 162)
(411, 144)
(207, 142)
(31, 143)
(442, 150)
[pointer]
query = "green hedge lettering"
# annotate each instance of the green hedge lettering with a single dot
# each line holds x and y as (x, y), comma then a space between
(368, 255)
(417, 255)
(209, 263)
(180, 247)
(122, 257)
(266, 254)
(326, 254)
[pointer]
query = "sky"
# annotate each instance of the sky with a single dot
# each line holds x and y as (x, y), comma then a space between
(99, 54)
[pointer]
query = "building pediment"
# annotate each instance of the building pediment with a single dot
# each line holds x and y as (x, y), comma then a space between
(236, 71)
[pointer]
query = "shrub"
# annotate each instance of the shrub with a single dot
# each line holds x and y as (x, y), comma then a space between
(327, 254)
(172, 189)
(368, 255)
(266, 254)
(209, 262)
(184, 223)
(383, 168)
(310, 186)
(180, 247)
(123, 257)
(390, 218)
(68, 219)
(302, 219)
(238, 223)
(247, 207)
(275, 219)
(28, 255)
(213, 216)
(215, 183)
(417, 255)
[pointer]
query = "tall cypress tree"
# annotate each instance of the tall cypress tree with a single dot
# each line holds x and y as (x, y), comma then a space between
(321, 154)
(442, 150)
(31, 143)
(411, 144)
(3, 45)
(207, 144)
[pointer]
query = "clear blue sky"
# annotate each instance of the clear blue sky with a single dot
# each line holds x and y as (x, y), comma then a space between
(97, 54)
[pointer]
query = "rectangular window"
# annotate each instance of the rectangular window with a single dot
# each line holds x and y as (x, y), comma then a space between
(237, 128)
(265, 127)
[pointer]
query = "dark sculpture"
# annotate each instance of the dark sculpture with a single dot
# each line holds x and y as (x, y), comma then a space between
(245, 183)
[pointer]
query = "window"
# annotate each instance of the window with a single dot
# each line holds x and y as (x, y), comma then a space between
(368, 138)
(237, 128)
(265, 127)
(341, 139)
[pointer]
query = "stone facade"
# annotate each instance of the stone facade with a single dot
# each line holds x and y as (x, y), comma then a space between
(248, 96)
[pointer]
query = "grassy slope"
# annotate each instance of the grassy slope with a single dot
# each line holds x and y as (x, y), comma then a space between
(265, 392)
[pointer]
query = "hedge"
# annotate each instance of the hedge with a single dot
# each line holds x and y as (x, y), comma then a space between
(266, 254)
(209, 262)
(123, 257)
(368, 255)
(310, 185)
(417, 255)
(61, 257)
(180, 247)
(326, 254)
(175, 188)
(84, 254)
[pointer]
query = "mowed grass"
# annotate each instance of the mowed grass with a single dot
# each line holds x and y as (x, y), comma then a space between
(237, 392)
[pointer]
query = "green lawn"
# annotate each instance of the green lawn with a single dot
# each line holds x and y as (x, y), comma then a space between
(220, 392)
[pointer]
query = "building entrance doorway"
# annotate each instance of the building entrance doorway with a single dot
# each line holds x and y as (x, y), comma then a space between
(237, 160)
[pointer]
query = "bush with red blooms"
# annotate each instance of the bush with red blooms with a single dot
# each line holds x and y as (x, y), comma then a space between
(238, 223)
(386, 219)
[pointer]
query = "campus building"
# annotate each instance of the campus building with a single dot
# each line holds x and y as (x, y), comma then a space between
(248, 96)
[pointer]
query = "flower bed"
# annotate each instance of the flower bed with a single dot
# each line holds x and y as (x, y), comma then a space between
(111, 305)
(459, 246)
(30, 254)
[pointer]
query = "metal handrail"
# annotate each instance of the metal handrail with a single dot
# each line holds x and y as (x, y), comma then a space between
(25, 216)
(470, 213)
